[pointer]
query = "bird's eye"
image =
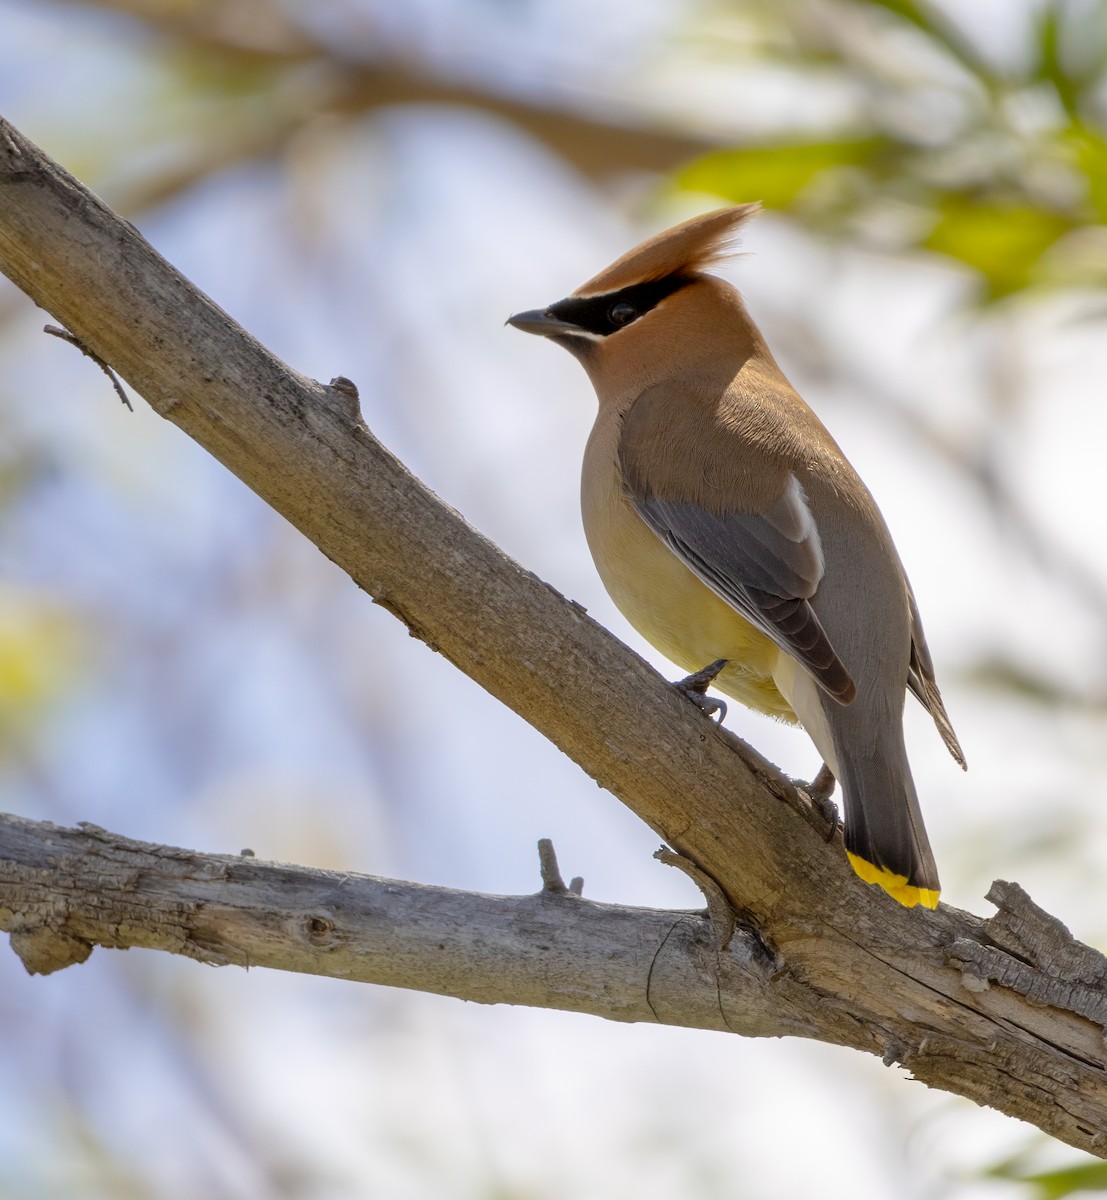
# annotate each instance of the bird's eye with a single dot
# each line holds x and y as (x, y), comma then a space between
(621, 313)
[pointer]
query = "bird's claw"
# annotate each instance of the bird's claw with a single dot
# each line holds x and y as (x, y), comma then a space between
(828, 810)
(694, 687)
(821, 788)
(708, 705)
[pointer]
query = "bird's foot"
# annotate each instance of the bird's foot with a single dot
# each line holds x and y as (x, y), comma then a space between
(820, 789)
(694, 687)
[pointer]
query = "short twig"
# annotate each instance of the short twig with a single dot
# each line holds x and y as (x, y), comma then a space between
(719, 909)
(74, 340)
(551, 872)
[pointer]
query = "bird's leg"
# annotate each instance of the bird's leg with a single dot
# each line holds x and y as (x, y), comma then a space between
(820, 789)
(695, 688)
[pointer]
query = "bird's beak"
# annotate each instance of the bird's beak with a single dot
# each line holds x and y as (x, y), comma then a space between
(542, 322)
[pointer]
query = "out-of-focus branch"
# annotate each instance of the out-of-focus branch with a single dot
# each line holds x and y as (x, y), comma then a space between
(1009, 1012)
(596, 148)
(306, 79)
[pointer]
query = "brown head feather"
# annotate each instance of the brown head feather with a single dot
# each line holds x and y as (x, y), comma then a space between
(692, 246)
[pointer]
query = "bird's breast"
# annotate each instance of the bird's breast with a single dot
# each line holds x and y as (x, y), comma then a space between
(660, 596)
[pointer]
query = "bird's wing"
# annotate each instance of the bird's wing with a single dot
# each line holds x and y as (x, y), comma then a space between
(921, 681)
(765, 565)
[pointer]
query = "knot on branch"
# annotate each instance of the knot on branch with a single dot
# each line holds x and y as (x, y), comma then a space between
(345, 391)
(1033, 953)
(43, 950)
(896, 1052)
(320, 929)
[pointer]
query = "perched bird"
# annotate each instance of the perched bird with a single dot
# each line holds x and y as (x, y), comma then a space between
(726, 523)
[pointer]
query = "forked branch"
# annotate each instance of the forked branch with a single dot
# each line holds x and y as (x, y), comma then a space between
(1008, 1012)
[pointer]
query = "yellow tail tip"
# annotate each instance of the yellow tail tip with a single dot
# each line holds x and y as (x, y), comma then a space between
(895, 885)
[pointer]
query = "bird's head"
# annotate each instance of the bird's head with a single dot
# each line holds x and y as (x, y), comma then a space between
(653, 308)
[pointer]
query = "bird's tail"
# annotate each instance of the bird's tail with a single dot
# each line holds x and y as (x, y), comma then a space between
(885, 838)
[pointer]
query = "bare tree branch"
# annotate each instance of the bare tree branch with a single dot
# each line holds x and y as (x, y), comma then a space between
(1008, 1012)
(553, 949)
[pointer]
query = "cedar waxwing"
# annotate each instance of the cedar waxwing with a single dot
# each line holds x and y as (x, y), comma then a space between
(727, 524)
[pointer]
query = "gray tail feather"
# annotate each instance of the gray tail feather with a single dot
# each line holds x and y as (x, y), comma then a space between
(921, 681)
(926, 691)
(884, 824)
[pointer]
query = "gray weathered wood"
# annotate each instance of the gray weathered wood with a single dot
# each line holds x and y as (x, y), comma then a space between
(958, 1001)
(62, 891)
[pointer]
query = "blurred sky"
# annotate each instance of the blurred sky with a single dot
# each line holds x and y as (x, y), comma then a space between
(218, 684)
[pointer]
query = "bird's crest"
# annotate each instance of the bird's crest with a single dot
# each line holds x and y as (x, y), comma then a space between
(686, 249)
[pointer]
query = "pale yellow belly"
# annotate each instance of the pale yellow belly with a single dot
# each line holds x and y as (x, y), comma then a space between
(673, 610)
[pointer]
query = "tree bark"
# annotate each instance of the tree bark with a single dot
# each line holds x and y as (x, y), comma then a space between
(76, 888)
(1009, 1012)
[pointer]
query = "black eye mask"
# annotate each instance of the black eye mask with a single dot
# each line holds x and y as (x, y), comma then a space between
(613, 311)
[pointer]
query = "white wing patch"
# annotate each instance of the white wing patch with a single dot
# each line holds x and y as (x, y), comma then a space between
(792, 518)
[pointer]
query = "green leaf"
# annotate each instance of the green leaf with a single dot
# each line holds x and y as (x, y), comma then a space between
(775, 174)
(1089, 150)
(1003, 242)
(1049, 67)
(1055, 1185)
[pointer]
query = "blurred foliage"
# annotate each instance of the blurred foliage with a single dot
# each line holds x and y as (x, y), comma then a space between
(39, 653)
(1085, 1176)
(938, 142)
(1000, 166)
(941, 145)
(1010, 679)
